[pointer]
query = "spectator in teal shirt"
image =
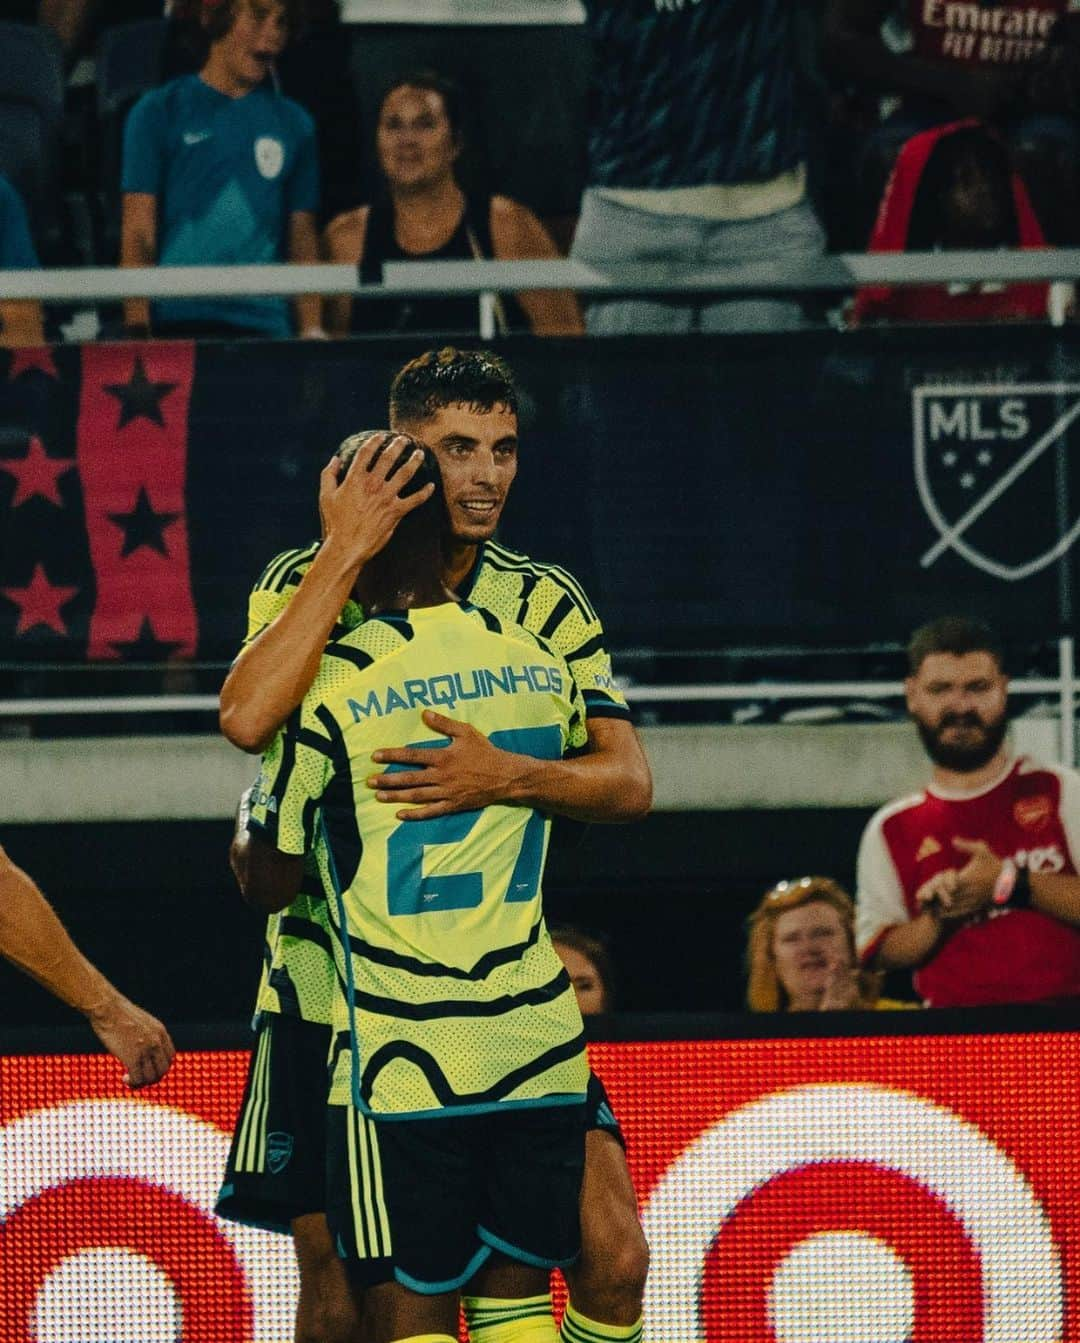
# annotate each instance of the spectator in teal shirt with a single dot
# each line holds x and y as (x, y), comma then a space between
(20, 322)
(220, 169)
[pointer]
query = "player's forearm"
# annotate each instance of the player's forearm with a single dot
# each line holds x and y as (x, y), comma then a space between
(908, 945)
(593, 787)
(33, 939)
(1057, 896)
(273, 674)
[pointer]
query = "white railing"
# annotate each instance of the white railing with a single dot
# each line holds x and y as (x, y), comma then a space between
(1064, 686)
(405, 279)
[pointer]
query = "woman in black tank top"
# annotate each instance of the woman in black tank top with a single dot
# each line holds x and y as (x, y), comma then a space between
(423, 213)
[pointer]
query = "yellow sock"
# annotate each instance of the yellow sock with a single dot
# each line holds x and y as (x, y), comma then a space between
(578, 1328)
(428, 1338)
(526, 1319)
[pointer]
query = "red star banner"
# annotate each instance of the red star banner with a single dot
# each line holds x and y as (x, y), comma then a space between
(39, 602)
(132, 454)
(36, 474)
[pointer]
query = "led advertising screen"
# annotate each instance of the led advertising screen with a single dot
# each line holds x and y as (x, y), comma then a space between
(869, 1189)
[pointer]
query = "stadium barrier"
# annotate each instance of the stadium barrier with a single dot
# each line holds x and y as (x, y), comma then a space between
(143, 485)
(819, 1179)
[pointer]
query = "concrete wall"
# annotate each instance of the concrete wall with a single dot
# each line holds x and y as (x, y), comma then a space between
(696, 768)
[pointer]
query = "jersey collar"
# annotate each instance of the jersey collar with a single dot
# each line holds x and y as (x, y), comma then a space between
(465, 587)
(967, 794)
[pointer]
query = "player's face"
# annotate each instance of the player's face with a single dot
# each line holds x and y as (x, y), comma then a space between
(414, 140)
(959, 706)
(477, 452)
(255, 40)
(808, 945)
(587, 983)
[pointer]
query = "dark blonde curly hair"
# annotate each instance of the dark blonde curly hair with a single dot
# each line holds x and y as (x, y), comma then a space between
(764, 992)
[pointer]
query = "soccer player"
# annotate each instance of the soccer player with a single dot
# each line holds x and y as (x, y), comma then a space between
(34, 939)
(972, 883)
(464, 405)
(456, 1136)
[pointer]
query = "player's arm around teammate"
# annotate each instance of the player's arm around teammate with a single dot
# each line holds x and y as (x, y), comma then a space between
(34, 939)
(609, 782)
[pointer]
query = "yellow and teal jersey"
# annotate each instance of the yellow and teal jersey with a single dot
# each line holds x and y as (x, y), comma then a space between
(449, 993)
(543, 599)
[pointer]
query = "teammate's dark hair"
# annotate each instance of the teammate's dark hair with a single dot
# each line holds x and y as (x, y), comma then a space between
(430, 515)
(595, 950)
(478, 379)
(953, 634)
(433, 82)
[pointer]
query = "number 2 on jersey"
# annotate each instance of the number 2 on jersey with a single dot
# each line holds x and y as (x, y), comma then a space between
(409, 891)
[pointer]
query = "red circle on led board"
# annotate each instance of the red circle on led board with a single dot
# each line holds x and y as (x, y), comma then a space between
(842, 1196)
(156, 1223)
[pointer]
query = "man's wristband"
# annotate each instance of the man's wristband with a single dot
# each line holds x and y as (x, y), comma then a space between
(1005, 884)
(1012, 889)
(1021, 893)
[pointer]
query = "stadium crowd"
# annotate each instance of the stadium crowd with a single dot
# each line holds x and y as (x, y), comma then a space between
(234, 131)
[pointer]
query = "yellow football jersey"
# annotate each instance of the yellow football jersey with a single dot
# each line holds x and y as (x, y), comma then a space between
(450, 995)
(543, 599)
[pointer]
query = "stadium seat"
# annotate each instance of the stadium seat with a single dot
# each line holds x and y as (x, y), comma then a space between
(130, 60)
(31, 112)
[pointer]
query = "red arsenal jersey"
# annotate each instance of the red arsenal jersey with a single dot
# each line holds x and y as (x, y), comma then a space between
(1032, 814)
(974, 33)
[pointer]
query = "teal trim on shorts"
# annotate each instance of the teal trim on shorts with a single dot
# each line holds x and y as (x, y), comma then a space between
(489, 1107)
(452, 1284)
(228, 1191)
(523, 1256)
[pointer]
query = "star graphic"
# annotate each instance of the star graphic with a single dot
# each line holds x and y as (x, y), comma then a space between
(949, 458)
(985, 457)
(140, 398)
(22, 361)
(143, 527)
(36, 474)
(39, 602)
(967, 480)
(146, 646)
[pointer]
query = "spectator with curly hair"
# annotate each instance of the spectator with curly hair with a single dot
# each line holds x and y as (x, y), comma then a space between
(801, 952)
(220, 169)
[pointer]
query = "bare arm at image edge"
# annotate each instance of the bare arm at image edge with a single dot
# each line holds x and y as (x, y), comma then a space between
(33, 939)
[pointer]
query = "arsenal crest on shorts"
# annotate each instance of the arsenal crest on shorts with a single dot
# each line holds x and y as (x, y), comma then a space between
(992, 471)
(279, 1150)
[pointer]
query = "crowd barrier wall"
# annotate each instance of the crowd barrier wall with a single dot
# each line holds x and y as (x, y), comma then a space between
(809, 487)
(869, 1177)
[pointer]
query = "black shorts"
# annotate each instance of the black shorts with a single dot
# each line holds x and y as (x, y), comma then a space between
(276, 1168)
(426, 1201)
(598, 1111)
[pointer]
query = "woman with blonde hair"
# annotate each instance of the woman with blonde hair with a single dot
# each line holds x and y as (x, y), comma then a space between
(801, 952)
